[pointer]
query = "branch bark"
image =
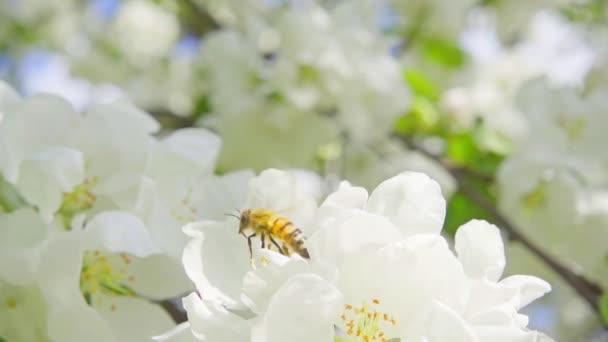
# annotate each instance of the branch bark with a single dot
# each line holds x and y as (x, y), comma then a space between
(588, 290)
(197, 18)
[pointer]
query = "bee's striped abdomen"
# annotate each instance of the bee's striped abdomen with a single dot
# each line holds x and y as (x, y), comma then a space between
(292, 236)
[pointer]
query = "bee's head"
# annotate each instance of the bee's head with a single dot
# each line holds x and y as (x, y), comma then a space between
(244, 220)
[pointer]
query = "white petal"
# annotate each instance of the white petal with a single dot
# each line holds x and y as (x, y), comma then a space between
(119, 232)
(54, 120)
(445, 324)
(216, 259)
(197, 145)
(127, 114)
(417, 270)
(22, 235)
(59, 271)
(480, 249)
(27, 319)
(222, 194)
(158, 277)
(347, 196)
(46, 175)
(308, 182)
(279, 191)
(76, 324)
(180, 333)
(134, 319)
(348, 232)
(261, 284)
(529, 288)
(412, 200)
(211, 322)
(304, 309)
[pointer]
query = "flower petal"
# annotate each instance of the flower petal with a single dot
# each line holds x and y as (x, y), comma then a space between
(347, 196)
(445, 324)
(529, 288)
(158, 277)
(180, 333)
(304, 309)
(350, 230)
(119, 232)
(46, 175)
(216, 259)
(279, 191)
(134, 319)
(480, 249)
(211, 322)
(260, 284)
(22, 237)
(412, 200)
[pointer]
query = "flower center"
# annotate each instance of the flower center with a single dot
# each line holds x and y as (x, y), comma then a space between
(364, 323)
(81, 198)
(103, 274)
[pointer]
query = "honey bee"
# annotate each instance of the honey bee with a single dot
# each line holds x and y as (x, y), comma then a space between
(265, 223)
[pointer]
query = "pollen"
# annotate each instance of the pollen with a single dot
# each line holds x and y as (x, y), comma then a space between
(80, 199)
(365, 323)
(104, 274)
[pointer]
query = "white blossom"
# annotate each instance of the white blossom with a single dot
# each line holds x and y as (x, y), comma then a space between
(380, 255)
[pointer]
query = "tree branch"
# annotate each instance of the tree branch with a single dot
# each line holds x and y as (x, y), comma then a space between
(197, 18)
(590, 291)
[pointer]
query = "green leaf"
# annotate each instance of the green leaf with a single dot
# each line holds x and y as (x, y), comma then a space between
(2, 339)
(604, 308)
(462, 148)
(202, 105)
(443, 52)
(422, 118)
(420, 84)
(460, 211)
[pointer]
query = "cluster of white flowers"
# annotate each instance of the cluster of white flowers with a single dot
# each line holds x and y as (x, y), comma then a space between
(91, 206)
(552, 47)
(378, 270)
(555, 183)
(303, 74)
(97, 201)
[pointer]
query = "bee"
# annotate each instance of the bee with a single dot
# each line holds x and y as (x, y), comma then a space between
(265, 223)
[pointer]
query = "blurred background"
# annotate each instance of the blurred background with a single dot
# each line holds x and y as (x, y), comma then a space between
(506, 99)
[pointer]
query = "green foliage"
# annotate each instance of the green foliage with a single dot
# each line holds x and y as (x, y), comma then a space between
(443, 52)
(424, 115)
(422, 118)
(421, 84)
(604, 308)
(464, 150)
(461, 210)
(593, 12)
(2, 339)
(202, 106)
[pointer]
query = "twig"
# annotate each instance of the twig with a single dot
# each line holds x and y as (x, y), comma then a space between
(590, 291)
(199, 19)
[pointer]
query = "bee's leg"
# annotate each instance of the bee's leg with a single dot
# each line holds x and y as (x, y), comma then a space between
(286, 249)
(276, 244)
(249, 245)
(263, 238)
